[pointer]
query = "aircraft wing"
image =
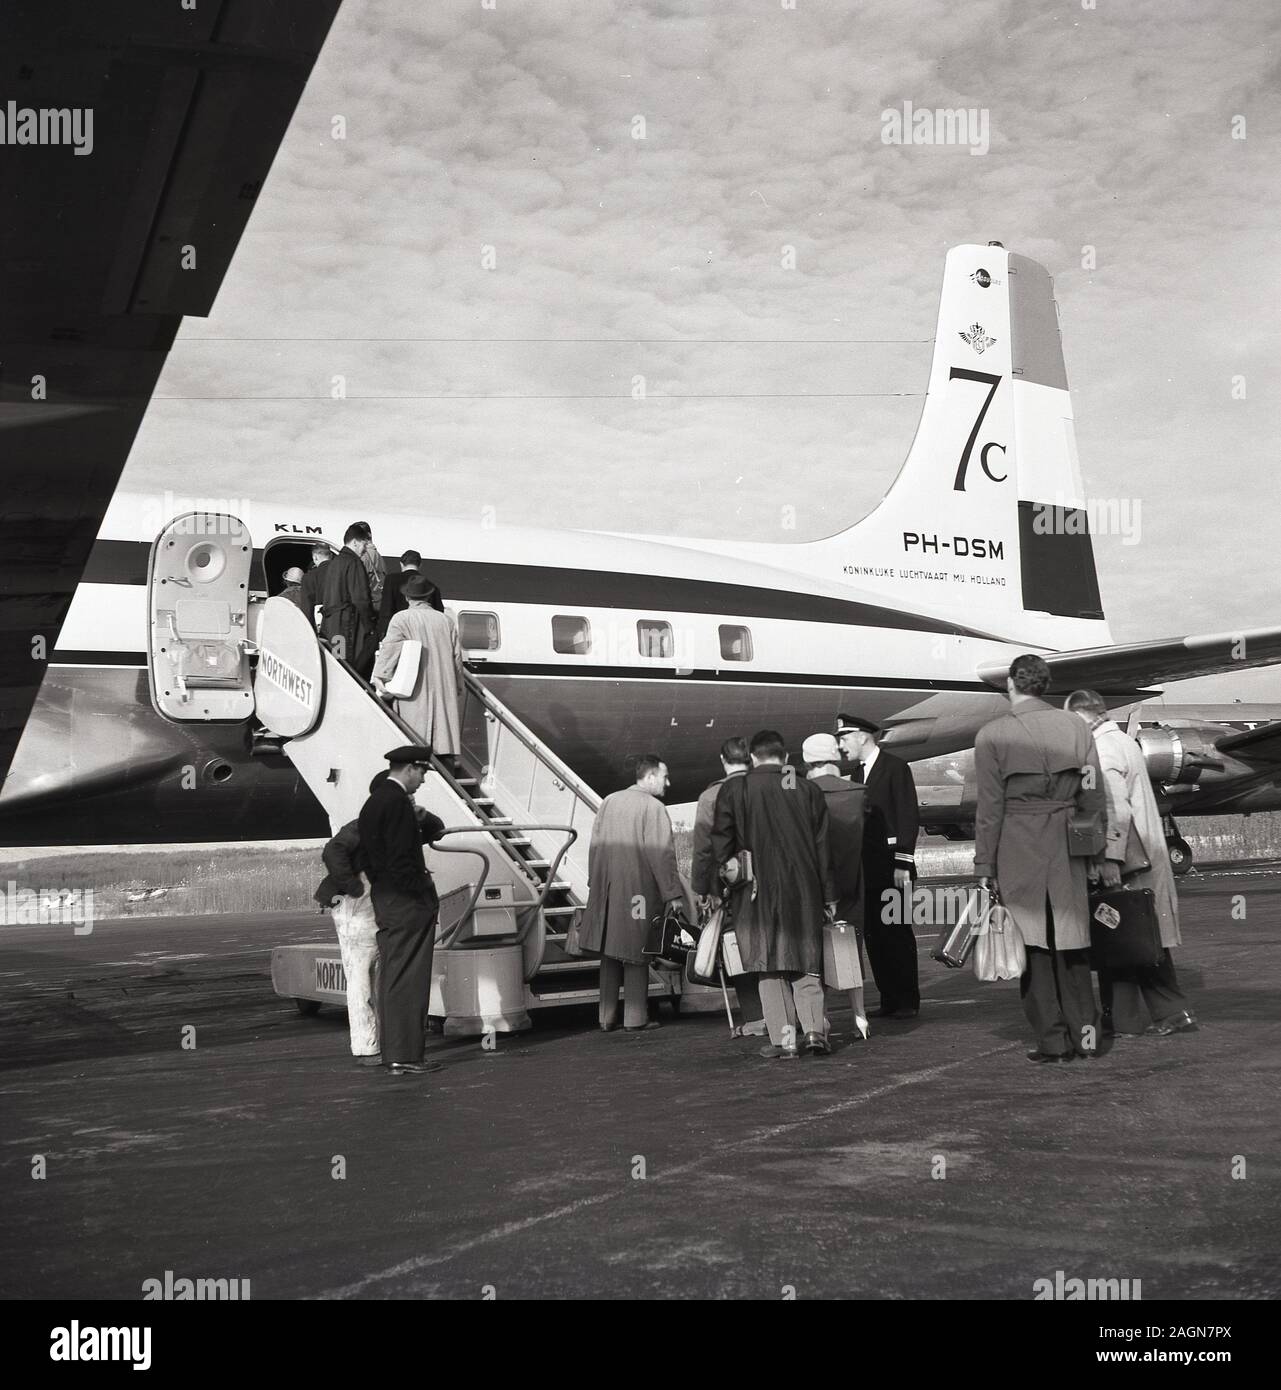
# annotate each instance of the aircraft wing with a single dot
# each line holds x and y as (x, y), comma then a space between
(1261, 745)
(1146, 663)
(141, 137)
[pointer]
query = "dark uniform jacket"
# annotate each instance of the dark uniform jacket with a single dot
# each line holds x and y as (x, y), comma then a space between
(311, 592)
(392, 842)
(845, 836)
(781, 818)
(343, 862)
(892, 819)
(348, 609)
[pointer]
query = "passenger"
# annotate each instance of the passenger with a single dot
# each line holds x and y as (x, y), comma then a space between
(345, 890)
(293, 578)
(781, 822)
(845, 815)
(433, 710)
(890, 824)
(405, 905)
(735, 761)
(632, 876)
(393, 601)
(1132, 803)
(349, 619)
(375, 567)
(1033, 767)
(312, 598)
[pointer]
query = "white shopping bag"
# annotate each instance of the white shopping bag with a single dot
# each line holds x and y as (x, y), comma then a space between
(405, 676)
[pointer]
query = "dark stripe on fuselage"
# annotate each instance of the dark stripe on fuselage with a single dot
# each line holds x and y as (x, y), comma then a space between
(125, 562)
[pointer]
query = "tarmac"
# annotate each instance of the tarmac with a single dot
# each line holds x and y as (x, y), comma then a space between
(931, 1161)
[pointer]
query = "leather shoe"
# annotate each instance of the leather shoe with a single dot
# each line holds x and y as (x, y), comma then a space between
(1050, 1056)
(412, 1068)
(816, 1042)
(773, 1053)
(906, 1013)
(1180, 1023)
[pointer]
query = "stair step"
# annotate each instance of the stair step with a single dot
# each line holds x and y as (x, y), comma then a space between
(483, 801)
(559, 911)
(537, 863)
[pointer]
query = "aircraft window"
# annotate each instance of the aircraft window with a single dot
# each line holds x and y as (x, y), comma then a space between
(478, 631)
(571, 635)
(736, 643)
(654, 638)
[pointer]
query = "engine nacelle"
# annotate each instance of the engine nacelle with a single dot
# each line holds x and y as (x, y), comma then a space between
(1176, 756)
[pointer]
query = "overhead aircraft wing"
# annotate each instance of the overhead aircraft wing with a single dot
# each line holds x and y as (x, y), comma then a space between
(1261, 745)
(1146, 663)
(137, 138)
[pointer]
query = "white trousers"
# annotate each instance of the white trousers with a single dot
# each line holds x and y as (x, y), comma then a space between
(358, 941)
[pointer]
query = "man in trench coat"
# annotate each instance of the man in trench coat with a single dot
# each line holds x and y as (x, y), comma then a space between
(778, 818)
(631, 877)
(433, 711)
(1127, 995)
(348, 617)
(1034, 766)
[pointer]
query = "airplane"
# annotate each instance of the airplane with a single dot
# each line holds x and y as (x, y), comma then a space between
(608, 646)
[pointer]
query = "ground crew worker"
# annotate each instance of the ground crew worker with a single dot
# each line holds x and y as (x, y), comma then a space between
(1034, 766)
(891, 823)
(405, 905)
(631, 877)
(735, 761)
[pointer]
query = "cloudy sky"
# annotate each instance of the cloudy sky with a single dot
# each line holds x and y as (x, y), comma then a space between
(513, 128)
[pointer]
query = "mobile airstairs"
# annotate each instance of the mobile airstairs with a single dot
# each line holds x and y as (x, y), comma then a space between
(512, 871)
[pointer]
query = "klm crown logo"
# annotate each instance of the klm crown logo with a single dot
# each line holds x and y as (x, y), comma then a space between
(977, 339)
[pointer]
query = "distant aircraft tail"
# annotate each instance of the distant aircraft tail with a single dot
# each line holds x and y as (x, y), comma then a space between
(987, 516)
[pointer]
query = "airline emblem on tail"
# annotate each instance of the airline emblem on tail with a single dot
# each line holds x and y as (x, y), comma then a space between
(977, 338)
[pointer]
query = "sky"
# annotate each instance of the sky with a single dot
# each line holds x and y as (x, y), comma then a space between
(504, 378)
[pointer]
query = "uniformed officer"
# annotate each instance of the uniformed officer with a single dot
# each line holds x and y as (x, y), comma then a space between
(891, 823)
(405, 904)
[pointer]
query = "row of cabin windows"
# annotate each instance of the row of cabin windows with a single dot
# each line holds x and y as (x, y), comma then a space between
(572, 636)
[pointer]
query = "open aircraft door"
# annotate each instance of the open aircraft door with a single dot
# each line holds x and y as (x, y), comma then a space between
(198, 610)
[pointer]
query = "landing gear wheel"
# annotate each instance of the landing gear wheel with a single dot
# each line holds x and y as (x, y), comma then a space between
(1180, 856)
(308, 1008)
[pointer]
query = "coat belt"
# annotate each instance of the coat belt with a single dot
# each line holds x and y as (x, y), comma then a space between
(1036, 808)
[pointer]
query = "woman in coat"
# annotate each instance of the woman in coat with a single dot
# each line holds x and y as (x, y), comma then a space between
(1128, 997)
(433, 710)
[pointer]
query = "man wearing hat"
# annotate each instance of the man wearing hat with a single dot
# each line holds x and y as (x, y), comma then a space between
(432, 710)
(405, 904)
(393, 600)
(891, 823)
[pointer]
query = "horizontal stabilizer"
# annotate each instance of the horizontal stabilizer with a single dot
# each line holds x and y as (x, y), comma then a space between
(1145, 663)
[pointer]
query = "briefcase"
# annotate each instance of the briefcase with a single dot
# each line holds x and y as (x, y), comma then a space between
(956, 943)
(1124, 930)
(842, 968)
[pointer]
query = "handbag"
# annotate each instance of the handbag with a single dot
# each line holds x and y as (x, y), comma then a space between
(662, 941)
(701, 966)
(1124, 930)
(405, 677)
(842, 968)
(999, 950)
(955, 943)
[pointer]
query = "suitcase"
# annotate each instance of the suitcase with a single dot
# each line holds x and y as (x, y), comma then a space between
(1124, 931)
(842, 968)
(956, 943)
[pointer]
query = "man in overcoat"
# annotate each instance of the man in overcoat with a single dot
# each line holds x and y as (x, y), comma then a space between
(708, 889)
(433, 710)
(405, 905)
(1129, 996)
(348, 619)
(890, 826)
(779, 819)
(631, 878)
(1034, 767)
